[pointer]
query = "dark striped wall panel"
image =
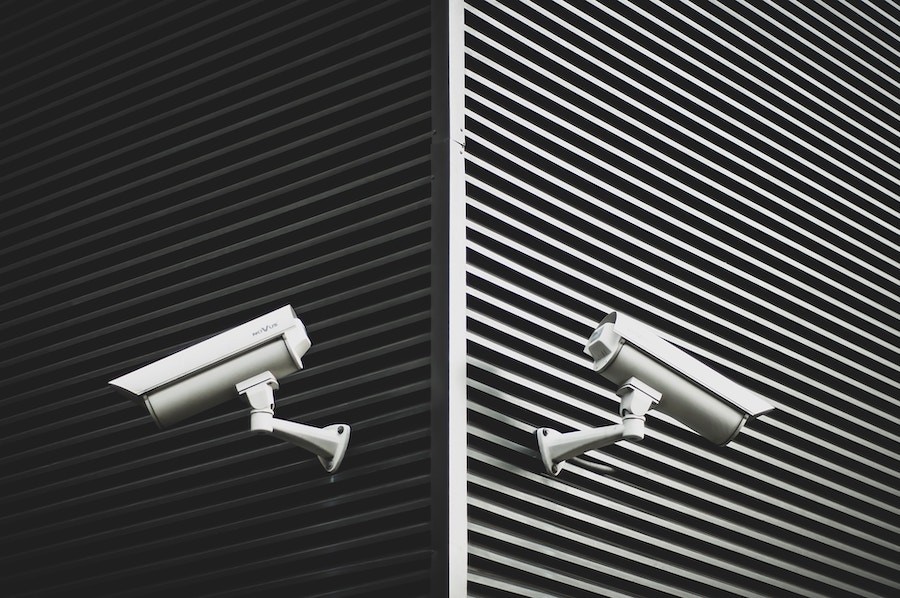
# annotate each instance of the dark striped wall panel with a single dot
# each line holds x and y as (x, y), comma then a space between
(728, 173)
(170, 170)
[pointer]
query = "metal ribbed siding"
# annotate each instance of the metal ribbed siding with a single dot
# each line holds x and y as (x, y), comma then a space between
(727, 172)
(170, 170)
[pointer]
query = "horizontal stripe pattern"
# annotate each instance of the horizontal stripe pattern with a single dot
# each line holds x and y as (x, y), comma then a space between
(170, 171)
(726, 172)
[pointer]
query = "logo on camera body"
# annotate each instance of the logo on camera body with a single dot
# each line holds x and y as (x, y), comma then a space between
(266, 328)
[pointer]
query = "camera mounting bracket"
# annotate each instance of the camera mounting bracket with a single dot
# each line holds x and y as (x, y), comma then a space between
(637, 399)
(329, 443)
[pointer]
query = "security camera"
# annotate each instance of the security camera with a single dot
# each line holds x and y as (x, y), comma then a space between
(247, 361)
(653, 374)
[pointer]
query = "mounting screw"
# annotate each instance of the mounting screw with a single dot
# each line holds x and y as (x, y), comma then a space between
(340, 430)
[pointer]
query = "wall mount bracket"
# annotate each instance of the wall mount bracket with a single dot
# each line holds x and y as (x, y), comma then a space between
(637, 399)
(329, 443)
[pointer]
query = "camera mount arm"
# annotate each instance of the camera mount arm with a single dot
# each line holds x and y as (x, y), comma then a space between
(328, 443)
(637, 399)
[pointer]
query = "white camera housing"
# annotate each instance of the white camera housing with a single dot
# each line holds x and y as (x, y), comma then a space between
(203, 375)
(692, 392)
(218, 369)
(626, 351)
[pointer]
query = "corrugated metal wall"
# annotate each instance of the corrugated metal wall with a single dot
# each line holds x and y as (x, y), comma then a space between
(728, 173)
(170, 170)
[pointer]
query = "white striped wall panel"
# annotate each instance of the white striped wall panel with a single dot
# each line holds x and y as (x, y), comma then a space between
(727, 172)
